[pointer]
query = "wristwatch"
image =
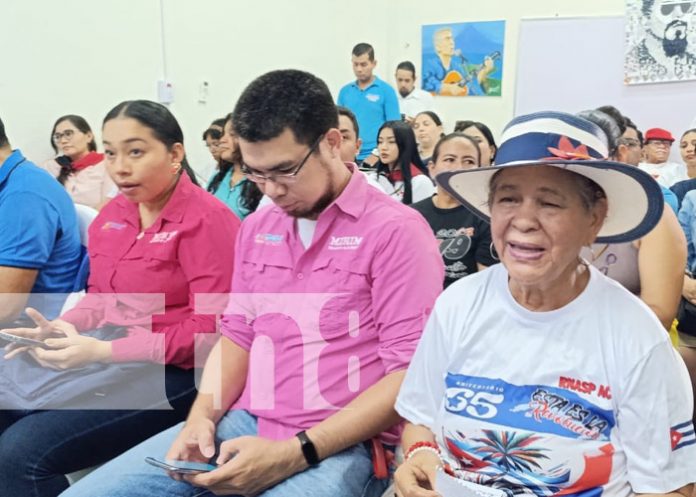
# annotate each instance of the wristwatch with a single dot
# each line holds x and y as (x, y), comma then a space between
(308, 449)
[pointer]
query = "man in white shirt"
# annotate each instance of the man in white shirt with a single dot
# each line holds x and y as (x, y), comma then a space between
(658, 142)
(412, 100)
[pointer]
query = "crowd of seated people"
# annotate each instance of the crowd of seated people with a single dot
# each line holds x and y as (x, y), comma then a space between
(515, 313)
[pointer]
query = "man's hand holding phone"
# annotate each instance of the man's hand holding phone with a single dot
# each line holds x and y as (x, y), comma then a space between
(195, 443)
(180, 467)
(249, 465)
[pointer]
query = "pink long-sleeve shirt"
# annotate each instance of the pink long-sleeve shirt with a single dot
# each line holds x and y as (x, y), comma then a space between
(325, 323)
(138, 278)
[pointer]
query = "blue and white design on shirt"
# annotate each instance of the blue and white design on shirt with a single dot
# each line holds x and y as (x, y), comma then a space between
(510, 436)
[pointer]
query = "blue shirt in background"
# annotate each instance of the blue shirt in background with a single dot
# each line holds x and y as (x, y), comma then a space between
(681, 188)
(38, 230)
(231, 196)
(687, 220)
(372, 106)
(670, 198)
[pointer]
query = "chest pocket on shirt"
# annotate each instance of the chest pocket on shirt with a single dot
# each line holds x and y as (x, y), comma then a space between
(150, 268)
(349, 312)
(266, 270)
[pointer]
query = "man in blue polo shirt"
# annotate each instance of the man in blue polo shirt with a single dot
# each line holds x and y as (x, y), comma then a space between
(40, 250)
(372, 100)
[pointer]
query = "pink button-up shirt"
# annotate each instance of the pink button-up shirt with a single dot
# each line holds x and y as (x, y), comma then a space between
(187, 251)
(325, 323)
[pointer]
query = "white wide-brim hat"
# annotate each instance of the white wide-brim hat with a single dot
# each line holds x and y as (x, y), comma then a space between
(573, 143)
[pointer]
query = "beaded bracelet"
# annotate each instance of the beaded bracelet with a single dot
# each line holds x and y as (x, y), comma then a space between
(432, 446)
(421, 449)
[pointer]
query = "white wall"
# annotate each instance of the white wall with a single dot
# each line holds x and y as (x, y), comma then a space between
(81, 56)
(73, 57)
(230, 43)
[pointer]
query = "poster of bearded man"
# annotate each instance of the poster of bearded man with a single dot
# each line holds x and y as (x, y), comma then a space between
(660, 41)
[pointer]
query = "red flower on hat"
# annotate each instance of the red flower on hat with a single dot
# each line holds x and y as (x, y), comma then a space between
(567, 151)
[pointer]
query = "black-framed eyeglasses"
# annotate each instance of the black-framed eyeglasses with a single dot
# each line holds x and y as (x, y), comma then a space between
(288, 176)
(660, 143)
(629, 142)
(68, 133)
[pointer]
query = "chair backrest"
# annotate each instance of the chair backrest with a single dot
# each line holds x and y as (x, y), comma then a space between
(85, 215)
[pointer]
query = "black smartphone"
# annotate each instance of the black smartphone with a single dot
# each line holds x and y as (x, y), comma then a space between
(181, 467)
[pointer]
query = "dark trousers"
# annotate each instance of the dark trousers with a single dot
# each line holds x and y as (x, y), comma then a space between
(37, 448)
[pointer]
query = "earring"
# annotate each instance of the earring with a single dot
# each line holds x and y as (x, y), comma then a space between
(176, 167)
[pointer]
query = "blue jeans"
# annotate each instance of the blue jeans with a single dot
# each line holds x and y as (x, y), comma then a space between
(37, 448)
(346, 474)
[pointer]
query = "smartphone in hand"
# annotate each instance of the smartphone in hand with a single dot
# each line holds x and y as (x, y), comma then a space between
(9, 337)
(181, 467)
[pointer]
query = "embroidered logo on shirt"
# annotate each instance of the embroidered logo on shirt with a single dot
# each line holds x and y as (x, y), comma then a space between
(345, 242)
(163, 237)
(682, 435)
(372, 97)
(268, 239)
(112, 225)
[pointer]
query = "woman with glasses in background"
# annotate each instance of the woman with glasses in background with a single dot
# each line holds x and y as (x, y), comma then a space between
(78, 166)
(211, 137)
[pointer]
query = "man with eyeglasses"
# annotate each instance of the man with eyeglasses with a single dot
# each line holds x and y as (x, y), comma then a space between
(40, 250)
(331, 289)
(658, 143)
(630, 146)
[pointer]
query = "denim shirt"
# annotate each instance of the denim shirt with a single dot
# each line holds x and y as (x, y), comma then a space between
(687, 220)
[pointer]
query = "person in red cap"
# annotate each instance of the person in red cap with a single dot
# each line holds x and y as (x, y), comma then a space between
(658, 143)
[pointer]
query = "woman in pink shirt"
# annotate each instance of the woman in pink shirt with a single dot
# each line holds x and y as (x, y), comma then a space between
(152, 249)
(79, 167)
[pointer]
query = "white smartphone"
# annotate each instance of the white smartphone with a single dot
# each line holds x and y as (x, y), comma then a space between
(9, 337)
(181, 467)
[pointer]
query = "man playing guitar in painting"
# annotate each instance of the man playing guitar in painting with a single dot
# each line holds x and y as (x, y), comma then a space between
(447, 72)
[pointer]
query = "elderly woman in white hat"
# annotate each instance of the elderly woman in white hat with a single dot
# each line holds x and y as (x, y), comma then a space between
(540, 375)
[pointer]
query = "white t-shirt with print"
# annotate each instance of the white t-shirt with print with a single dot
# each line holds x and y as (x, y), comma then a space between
(422, 187)
(667, 173)
(589, 397)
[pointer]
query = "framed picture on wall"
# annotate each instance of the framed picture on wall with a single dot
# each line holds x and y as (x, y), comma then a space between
(463, 59)
(660, 41)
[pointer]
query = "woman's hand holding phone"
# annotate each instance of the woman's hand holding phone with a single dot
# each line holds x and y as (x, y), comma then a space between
(44, 331)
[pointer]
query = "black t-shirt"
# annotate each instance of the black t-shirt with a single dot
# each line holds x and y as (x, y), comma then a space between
(465, 239)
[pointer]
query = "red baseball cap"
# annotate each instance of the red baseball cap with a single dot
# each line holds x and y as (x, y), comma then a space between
(658, 134)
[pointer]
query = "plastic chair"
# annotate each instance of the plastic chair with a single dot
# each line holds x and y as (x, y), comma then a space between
(85, 216)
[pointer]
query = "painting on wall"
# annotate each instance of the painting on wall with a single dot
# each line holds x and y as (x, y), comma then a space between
(660, 41)
(463, 59)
